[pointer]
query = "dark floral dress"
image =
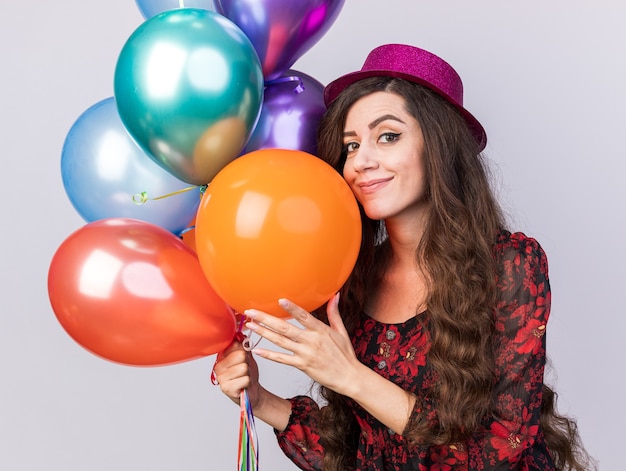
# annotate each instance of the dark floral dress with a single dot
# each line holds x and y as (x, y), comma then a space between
(510, 439)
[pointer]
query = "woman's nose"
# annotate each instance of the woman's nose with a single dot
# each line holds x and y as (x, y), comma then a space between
(364, 159)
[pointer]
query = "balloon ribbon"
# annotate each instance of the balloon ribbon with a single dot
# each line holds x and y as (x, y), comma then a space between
(141, 198)
(248, 459)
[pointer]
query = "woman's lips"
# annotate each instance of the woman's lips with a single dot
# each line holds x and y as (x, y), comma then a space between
(372, 186)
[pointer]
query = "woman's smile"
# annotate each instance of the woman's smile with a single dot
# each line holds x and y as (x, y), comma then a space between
(372, 186)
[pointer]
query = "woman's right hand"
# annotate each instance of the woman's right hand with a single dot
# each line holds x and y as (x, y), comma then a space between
(236, 370)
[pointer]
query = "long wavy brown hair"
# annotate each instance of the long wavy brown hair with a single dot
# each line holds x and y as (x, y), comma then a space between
(456, 252)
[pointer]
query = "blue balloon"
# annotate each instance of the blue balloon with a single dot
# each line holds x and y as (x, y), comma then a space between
(107, 175)
(149, 8)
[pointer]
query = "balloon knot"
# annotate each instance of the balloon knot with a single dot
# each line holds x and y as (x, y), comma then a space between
(140, 198)
(292, 78)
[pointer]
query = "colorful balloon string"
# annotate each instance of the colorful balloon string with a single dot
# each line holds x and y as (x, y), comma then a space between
(248, 453)
(248, 442)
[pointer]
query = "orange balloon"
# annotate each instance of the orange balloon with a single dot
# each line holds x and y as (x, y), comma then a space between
(134, 293)
(277, 223)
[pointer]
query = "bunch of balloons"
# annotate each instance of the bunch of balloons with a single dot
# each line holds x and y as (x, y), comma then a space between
(199, 186)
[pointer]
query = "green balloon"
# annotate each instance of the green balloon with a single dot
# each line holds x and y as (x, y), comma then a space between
(189, 89)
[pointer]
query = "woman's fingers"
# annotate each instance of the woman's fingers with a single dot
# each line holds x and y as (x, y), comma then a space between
(334, 318)
(233, 387)
(299, 314)
(232, 370)
(289, 336)
(281, 334)
(281, 326)
(228, 370)
(232, 355)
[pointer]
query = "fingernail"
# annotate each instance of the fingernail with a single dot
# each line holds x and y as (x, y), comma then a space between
(284, 303)
(250, 313)
(251, 325)
(337, 299)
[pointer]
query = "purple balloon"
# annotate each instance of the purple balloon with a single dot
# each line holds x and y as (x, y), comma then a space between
(281, 30)
(293, 106)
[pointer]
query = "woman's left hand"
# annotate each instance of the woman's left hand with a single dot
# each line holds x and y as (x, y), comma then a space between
(323, 352)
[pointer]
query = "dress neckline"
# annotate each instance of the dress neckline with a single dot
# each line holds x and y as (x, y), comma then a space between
(407, 323)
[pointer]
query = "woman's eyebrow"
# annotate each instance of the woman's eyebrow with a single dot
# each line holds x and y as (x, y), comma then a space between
(375, 123)
(385, 117)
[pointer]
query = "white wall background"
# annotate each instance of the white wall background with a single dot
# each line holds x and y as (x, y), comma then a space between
(545, 78)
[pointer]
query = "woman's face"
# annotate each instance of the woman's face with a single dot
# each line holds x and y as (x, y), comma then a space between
(384, 157)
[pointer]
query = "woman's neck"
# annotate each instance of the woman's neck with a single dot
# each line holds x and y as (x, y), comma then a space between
(401, 292)
(404, 239)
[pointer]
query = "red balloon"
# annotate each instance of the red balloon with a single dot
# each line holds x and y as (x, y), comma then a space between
(277, 223)
(133, 293)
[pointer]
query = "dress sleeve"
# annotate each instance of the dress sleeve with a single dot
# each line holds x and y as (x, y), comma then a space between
(512, 437)
(300, 440)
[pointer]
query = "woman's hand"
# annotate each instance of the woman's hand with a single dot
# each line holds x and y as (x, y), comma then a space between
(236, 370)
(323, 352)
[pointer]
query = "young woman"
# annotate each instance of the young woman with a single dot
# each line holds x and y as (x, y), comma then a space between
(432, 355)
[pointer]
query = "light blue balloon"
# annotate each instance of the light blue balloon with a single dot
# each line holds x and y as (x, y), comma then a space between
(104, 170)
(149, 8)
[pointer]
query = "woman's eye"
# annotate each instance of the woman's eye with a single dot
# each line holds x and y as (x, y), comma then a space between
(350, 147)
(389, 137)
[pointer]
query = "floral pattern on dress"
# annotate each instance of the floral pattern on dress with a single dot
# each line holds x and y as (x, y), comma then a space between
(510, 438)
